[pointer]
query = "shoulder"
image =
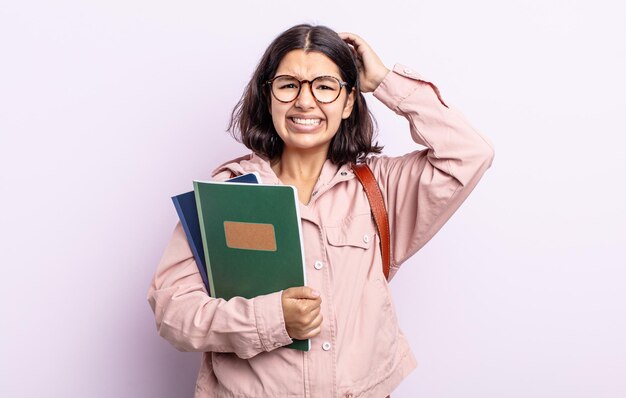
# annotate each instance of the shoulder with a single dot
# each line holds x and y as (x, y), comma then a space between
(252, 162)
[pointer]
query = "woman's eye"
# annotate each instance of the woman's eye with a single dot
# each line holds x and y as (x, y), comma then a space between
(324, 87)
(288, 86)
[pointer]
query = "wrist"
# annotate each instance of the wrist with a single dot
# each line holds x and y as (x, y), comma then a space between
(380, 76)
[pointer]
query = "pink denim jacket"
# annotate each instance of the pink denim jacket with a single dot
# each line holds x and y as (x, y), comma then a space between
(360, 351)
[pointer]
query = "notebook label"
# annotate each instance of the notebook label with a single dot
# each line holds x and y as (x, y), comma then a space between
(250, 236)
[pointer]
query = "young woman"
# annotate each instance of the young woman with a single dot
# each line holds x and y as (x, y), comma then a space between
(305, 119)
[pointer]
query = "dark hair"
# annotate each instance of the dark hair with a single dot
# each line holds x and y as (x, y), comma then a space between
(251, 120)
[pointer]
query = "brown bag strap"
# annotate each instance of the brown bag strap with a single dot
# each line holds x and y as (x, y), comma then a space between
(377, 203)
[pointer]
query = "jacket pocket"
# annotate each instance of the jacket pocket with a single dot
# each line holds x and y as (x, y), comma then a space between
(356, 230)
(353, 249)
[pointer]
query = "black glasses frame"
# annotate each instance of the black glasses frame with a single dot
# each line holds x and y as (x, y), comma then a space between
(310, 82)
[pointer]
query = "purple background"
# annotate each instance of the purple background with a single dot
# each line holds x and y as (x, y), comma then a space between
(108, 108)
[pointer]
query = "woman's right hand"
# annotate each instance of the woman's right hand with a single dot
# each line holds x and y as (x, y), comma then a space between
(302, 312)
(372, 71)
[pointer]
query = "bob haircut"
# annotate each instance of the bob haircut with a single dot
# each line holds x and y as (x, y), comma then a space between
(251, 119)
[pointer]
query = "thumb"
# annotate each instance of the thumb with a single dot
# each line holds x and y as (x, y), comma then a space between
(301, 292)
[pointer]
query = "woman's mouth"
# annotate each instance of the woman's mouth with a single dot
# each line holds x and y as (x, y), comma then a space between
(306, 122)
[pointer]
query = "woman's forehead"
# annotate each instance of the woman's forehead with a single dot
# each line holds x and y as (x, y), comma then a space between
(307, 65)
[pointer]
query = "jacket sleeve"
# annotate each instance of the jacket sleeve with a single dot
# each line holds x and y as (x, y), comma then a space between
(191, 320)
(424, 188)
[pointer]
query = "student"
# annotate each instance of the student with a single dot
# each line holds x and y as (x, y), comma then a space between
(305, 119)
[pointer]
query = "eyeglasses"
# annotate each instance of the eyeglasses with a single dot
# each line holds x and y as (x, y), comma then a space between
(325, 89)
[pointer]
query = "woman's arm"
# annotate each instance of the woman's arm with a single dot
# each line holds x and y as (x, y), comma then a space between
(424, 188)
(192, 321)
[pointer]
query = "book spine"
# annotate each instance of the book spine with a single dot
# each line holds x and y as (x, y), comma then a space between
(182, 215)
(196, 190)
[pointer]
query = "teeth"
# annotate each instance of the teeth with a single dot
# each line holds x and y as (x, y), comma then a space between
(307, 122)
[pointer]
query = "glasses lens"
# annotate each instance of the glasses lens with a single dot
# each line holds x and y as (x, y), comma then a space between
(285, 88)
(325, 88)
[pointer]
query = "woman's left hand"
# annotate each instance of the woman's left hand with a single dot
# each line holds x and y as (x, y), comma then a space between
(372, 71)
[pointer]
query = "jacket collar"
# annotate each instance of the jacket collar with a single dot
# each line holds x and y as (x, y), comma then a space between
(331, 174)
(247, 164)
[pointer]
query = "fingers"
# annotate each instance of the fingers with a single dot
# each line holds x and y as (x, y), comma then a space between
(372, 70)
(302, 312)
(309, 321)
(358, 44)
(301, 292)
(314, 328)
(307, 329)
(302, 307)
(351, 38)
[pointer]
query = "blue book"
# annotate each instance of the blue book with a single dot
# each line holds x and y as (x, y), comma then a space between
(187, 210)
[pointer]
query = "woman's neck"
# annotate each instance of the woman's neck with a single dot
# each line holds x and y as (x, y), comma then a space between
(301, 170)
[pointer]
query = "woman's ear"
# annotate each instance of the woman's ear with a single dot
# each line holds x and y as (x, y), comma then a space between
(347, 108)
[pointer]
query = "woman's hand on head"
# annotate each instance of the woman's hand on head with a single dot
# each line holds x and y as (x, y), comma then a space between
(372, 71)
(302, 312)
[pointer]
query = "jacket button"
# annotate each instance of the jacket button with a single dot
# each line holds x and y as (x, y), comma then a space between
(366, 239)
(408, 71)
(344, 173)
(319, 265)
(326, 346)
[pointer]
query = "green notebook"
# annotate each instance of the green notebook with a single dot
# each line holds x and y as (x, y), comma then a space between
(252, 239)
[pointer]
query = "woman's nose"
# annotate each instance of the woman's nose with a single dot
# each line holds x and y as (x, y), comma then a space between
(305, 98)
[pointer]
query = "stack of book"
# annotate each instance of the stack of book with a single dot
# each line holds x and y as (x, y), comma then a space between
(245, 237)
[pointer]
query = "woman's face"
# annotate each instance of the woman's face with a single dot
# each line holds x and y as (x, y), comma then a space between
(304, 124)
